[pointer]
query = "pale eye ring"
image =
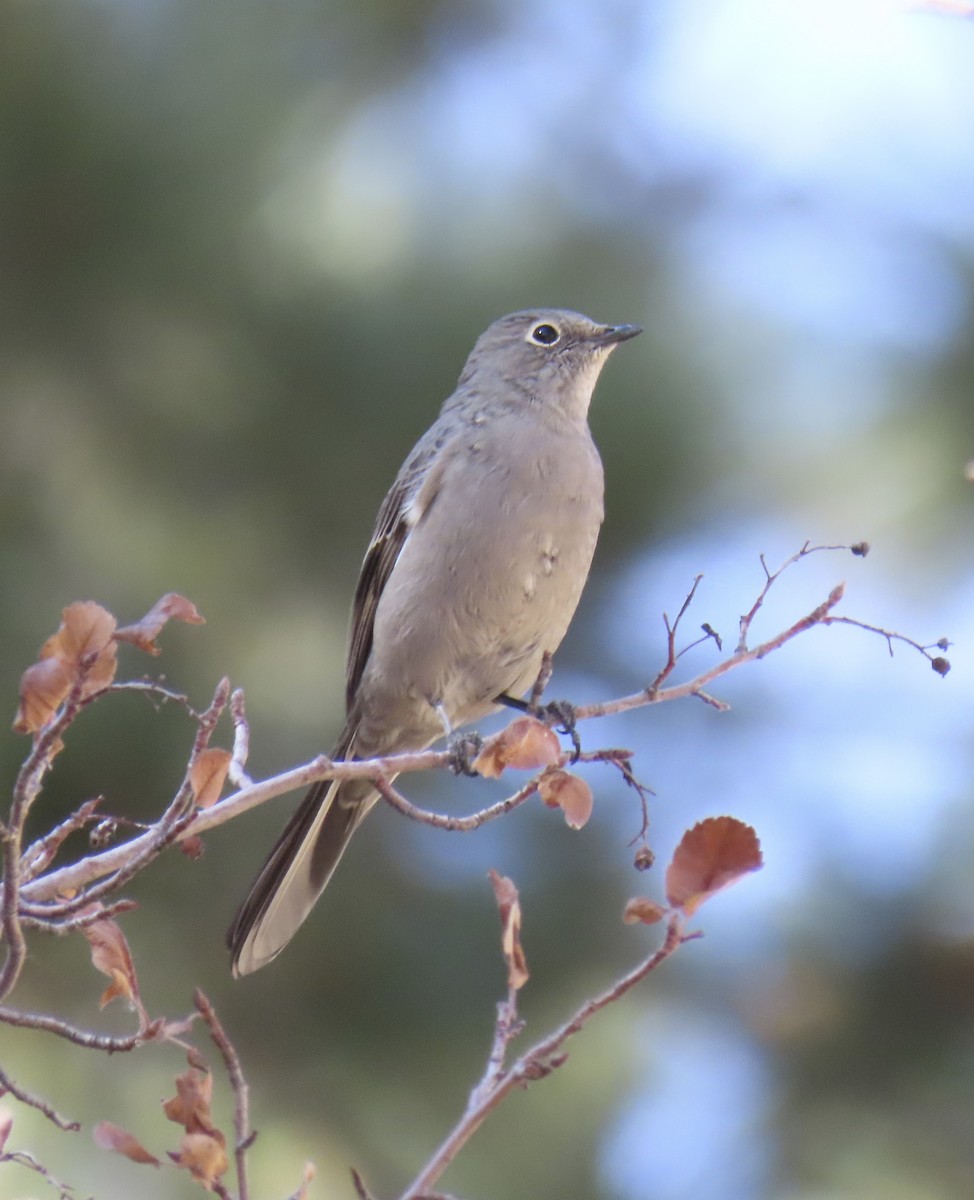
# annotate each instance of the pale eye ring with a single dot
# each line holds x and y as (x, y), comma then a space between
(545, 334)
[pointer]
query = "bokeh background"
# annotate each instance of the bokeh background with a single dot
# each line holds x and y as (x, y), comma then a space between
(245, 248)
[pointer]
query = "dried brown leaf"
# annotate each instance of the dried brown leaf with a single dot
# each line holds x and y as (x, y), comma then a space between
(86, 633)
(171, 607)
(642, 910)
(509, 906)
(102, 671)
(111, 1137)
(43, 686)
(208, 775)
(525, 745)
(204, 1155)
(570, 793)
(119, 987)
(190, 1107)
(86, 628)
(110, 955)
(712, 855)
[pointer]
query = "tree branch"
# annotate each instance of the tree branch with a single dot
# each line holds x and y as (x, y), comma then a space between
(540, 1060)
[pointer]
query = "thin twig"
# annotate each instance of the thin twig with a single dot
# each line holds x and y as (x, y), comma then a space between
(7, 1085)
(155, 689)
(26, 790)
(35, 917)
(455, 824)
(208, 719)
(892, 636)
(696, 686)
(361, 1190)
(241, 1113)
(237, 773)
(21, 1158)
(81, 1037)
(39, 855)
(540, 1060)
(141, 850)
(861, 549)
(671, 631)
(506, 1028)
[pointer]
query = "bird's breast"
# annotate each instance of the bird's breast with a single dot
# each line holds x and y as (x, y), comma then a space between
(489, 578)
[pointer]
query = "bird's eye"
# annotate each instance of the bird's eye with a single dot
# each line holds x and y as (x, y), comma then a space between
(545, 335)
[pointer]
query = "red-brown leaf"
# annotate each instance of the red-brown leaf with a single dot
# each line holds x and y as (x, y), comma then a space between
(712, 855)
(204, 1155)
(86, 628)
(85, 634)
(208, 775)
(112, 1137)
(525, 744)
(509, 906)
(43, 686)
(171, 607)
(190, 1107)
(110, 955)
(570, 793)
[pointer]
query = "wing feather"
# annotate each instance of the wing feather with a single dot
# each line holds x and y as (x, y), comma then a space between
(407, 501)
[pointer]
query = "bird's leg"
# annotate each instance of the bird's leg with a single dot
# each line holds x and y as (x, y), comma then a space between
(463, 747)
(560, 713)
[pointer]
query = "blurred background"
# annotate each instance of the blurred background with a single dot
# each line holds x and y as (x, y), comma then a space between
(244, 250)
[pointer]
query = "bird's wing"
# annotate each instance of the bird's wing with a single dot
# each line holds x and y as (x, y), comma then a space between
(409, 498)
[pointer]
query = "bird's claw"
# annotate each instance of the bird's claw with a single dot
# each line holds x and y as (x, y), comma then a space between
(463, 748)
(561, 714)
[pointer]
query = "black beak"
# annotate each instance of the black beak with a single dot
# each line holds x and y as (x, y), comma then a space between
(610, 335)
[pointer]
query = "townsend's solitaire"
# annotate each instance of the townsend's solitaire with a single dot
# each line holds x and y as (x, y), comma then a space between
(480, 553)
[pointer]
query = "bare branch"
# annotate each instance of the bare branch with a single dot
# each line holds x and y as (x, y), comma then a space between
(39, 917)
(39, 855)
(696, 686)
(7, 1085)
(540, 1060)
(26, 790)
(860, 549)
(21, 1158)
(207, 720)
(155, 689)
(938, 662)
(455, 824)
(241, 1113)
(237, 773)
(81, 1037)
(361, 1190)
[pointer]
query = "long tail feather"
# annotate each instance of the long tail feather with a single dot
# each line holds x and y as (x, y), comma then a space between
(296, 871)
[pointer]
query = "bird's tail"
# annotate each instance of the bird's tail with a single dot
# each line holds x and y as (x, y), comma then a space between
(297, 871)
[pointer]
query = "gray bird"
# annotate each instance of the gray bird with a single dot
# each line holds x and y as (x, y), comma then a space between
(480, 553)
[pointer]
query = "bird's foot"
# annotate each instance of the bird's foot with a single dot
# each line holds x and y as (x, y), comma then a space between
(561, 714)
(463, 747)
